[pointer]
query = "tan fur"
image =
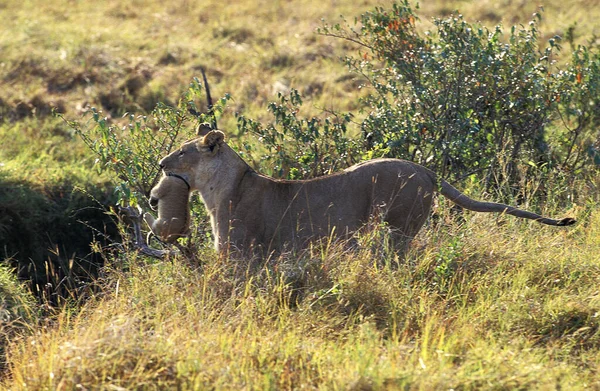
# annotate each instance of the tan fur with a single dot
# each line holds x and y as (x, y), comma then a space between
(172, 196)
(252, 211)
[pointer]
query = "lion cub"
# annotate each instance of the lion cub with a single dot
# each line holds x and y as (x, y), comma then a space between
(171, 195)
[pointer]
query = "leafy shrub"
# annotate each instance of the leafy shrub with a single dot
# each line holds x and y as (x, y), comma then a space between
(296, 147)
(578, 111)
(465, 98)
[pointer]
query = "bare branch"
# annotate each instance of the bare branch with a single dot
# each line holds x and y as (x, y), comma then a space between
(139, 242)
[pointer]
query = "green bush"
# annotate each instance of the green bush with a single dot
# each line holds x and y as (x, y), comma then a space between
(464, 98)
(295, 147)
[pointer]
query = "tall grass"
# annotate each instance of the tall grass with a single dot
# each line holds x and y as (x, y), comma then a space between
(18, 312)
(488, 303)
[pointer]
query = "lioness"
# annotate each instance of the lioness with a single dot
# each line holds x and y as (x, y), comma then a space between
(250, 211)
(171, 195)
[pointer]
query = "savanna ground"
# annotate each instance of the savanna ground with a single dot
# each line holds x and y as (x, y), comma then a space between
(481, 302)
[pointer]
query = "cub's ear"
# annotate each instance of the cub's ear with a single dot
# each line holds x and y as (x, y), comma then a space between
(203, 129)
(213, 139)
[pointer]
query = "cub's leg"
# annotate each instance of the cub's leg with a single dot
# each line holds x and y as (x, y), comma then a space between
(149, 219)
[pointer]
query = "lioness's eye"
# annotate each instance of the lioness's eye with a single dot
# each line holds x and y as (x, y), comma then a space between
(181, 152)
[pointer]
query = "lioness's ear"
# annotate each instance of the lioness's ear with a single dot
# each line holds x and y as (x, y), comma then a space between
(203, 129)
(213, 139)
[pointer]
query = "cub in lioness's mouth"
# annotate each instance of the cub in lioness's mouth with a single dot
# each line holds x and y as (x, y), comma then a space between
(171, 195)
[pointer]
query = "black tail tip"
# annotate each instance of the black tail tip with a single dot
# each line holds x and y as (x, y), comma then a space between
(566, 221)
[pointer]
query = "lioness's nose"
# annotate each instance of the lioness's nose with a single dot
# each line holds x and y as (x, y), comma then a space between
(161, 164)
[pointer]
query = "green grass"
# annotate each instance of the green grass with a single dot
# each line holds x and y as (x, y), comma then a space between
(486, 303)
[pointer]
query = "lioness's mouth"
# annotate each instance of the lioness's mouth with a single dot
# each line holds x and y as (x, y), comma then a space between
(180, 177)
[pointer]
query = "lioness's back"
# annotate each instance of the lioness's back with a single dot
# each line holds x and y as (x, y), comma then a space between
(399, 191)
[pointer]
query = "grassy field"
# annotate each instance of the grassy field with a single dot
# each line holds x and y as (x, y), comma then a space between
(481, 307)
(483, 302)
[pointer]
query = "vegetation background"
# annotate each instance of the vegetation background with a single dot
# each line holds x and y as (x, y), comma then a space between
(481, 302)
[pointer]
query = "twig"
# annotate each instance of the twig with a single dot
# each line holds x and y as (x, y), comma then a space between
(209, 99)
(139, 241)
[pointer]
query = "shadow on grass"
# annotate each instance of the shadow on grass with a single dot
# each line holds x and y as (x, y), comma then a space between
(46, 232)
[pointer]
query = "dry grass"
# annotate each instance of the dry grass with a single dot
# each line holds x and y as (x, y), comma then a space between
(483, 306)
(126, 57)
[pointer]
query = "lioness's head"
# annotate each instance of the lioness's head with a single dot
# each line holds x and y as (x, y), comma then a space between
(196, 160)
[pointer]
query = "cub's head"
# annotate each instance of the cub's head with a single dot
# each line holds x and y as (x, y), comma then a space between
(196, 160)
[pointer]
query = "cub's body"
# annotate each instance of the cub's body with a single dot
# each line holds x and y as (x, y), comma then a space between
(171, 195)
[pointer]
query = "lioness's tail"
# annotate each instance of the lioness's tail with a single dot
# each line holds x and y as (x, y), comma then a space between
(460, 199)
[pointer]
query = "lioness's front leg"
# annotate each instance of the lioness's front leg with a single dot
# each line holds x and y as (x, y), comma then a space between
(232, 237)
